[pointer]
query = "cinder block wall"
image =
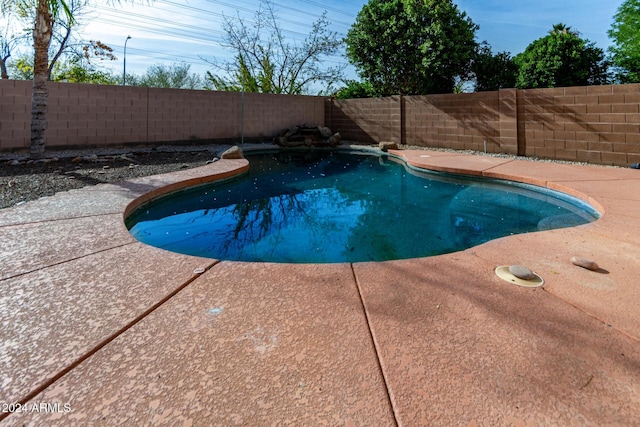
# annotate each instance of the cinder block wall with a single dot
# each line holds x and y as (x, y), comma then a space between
(267, 114)
(15, 113)
(458, 121)
(595, 124)
(176, 115)
(93, 115)
(368, 120)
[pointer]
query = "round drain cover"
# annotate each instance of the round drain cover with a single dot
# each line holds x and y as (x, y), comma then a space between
(504, 273)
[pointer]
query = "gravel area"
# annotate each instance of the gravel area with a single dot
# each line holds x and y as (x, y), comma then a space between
(62, 171)
(22, 180)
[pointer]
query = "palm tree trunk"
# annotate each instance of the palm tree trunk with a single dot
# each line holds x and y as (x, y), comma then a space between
(42, 31)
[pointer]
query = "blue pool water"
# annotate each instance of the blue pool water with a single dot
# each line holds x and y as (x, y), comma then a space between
(325, 207)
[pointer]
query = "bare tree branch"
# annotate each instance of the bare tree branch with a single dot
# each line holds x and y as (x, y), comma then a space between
(275, 64)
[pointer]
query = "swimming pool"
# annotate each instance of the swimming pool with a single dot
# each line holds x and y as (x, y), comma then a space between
(326, 207)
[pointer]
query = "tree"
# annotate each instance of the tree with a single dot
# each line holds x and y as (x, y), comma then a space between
(73, 67)
(493, 72)
(65, 48)
(75, 71)
(411, 46)
(561, 58)
(8, 43)
(355, 89)
(175, 76)
(5, 54)
(21, 68)
(625, 33)
(47, 12)
(243, 79)
(265, 61)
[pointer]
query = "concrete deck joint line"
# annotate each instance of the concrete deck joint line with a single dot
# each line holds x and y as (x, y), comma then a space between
(506, 162)
(116, 212)
(394, 410)
(44, 267)
(107, 340)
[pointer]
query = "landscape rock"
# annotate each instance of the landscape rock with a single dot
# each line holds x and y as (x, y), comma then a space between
(335, 139)
(585, 263)
(297, 143)
(521, 272)
(308, 134)
(93, 157)
(234, 152)
(386, 146)
(289, 133)
(325, 132)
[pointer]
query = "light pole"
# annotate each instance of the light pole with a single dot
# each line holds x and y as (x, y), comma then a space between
(124, 71)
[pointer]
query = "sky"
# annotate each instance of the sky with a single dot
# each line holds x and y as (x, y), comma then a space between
(191, 31)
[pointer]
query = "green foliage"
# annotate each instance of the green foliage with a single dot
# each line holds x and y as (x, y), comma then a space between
(493, 72)
(411, 46)
(354, 89)
(175, 76)
(72, 71)
(77, 71)
(561, 59)
(66, 50)
(21, 68)
(625, 33)
(26, 8)
(79, 66)
(243, 79)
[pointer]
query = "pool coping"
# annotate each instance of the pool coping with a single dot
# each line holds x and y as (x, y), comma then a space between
(52, 241)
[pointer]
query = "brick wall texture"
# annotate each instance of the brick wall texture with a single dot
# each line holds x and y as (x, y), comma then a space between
(365, 120)
(595, 124)
(81, 115)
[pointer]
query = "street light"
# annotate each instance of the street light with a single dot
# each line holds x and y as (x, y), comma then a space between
(124, 71)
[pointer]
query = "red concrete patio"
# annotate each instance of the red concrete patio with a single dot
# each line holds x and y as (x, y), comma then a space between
(99, 329)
